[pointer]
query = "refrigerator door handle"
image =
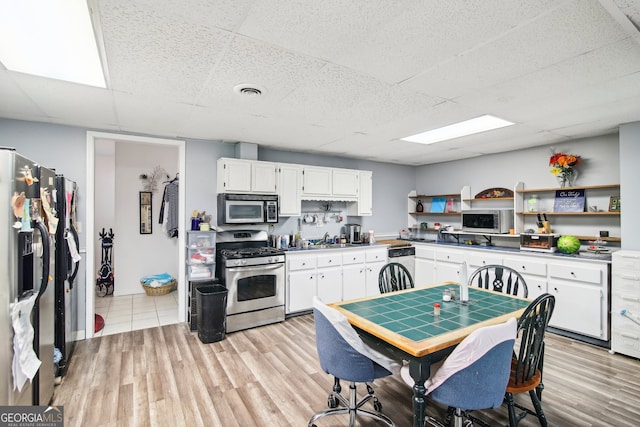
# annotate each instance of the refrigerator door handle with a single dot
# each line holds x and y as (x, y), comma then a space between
(44, 234)
(76, 266)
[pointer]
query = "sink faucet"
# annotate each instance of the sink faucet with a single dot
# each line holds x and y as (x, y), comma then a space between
(325, 237)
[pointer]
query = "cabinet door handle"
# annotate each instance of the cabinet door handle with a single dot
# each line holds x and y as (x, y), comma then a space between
(555, 289)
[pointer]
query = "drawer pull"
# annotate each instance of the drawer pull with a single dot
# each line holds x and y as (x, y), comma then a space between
(624, 276)
(634, 337)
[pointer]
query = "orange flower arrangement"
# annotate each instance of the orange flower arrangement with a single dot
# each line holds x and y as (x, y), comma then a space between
(563, 167)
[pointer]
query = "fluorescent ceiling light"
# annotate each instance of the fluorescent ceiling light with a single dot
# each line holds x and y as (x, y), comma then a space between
(50, 38)
(456, 130)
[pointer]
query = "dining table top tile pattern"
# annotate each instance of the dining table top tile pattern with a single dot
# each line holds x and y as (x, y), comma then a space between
(407, 317)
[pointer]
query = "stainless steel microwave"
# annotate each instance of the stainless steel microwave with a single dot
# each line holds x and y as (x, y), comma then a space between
(247, 209)
(487, 221)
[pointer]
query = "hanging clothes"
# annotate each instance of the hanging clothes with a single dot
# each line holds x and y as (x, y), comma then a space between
(169, 208)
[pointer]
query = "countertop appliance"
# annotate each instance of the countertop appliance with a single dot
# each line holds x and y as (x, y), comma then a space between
(539, 242)
(352, 233)
(27, 230)
(240, 209)
(254, 275)
(66, 293)
(497, 221)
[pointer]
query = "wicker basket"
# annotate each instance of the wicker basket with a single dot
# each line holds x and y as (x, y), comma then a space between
(160, 290)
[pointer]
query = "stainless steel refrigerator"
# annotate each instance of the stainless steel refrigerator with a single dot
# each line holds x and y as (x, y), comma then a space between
(28, 224)
(67, 263)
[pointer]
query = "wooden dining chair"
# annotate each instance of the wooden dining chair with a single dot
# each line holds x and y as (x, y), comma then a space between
(394, 277)
(499, 278)
(527, 364)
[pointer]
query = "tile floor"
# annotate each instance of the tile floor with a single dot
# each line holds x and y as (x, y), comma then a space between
(140, 311)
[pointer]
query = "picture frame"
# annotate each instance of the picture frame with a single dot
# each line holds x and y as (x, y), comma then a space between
(146, 224)
(614, 204)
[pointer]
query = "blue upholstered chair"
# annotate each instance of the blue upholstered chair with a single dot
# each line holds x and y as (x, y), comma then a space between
(344, 355)
(475, 375)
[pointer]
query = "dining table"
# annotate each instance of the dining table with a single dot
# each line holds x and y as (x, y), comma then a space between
(408, 325)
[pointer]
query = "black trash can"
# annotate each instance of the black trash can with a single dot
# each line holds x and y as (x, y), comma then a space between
(212, 312)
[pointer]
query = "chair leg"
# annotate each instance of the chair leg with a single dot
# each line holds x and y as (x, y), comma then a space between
(538, 407)
(513, 419)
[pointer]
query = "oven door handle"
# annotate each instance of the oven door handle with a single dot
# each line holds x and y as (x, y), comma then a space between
(255, 268)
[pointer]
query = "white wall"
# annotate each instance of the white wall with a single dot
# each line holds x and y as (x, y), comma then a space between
(630, 173)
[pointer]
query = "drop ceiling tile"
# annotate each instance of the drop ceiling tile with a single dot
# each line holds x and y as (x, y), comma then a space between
(427, 34)
(554, 37)
(276, 70)
(70, 103)
(15, 103)
(142, 115)
(170, 58)
(326, 30)
(226, 14)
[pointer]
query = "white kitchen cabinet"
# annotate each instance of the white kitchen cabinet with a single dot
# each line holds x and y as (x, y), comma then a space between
(448, 264)
(375, 259)
(581, 298)
(345, 182)
(301, 281)
(301, 289)
(534, 273)
(364, 205)
(263, 177)
(354, 281)
(425, 265)
(625, 303)
(329, 276)
(317, 181)
(246, 176)
(329, 282)
(289, 188)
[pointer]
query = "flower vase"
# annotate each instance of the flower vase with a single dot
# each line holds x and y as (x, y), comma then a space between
(567, 177)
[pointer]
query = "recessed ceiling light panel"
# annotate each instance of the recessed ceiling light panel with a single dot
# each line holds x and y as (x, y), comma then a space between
(457, 130)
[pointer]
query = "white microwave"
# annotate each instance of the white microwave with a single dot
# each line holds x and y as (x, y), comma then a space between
(497, 221)
(247, 209)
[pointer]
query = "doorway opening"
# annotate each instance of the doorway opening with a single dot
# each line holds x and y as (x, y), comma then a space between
(94, 142)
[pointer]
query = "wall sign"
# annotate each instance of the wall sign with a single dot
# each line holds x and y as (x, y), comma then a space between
(614, 204)
(569, 201)
(145, 212)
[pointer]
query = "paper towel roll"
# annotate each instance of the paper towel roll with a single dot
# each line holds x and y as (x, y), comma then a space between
(464, 286)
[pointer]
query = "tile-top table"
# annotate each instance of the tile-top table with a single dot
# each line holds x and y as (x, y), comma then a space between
(404, 322)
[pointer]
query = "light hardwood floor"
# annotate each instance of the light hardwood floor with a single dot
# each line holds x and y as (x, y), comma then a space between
(270, 376)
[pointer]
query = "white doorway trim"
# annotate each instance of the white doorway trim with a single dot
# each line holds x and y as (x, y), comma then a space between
(90, 221)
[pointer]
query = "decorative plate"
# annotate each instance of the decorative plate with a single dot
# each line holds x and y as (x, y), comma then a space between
(494, 193)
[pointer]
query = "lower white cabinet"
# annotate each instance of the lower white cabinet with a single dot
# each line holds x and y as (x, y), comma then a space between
(625, 303)
(425, 265)
(580, 290)
(332, 275)
(534, 273)
(448, 264)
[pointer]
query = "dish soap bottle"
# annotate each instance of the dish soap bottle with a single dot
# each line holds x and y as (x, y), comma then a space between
(419, 206)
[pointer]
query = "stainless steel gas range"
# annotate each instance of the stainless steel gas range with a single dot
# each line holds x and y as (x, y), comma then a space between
(254, 275)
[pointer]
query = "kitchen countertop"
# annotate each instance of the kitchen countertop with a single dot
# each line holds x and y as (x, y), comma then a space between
(331, 246)
(582, 255)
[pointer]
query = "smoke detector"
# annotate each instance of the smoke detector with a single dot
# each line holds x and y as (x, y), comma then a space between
(248, 90)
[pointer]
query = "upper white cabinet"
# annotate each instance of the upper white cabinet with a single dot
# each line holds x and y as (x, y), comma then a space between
(246, 176)
(345, 182)
(317, 181)
(364, 205)
(289, 188)
(294, 183)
